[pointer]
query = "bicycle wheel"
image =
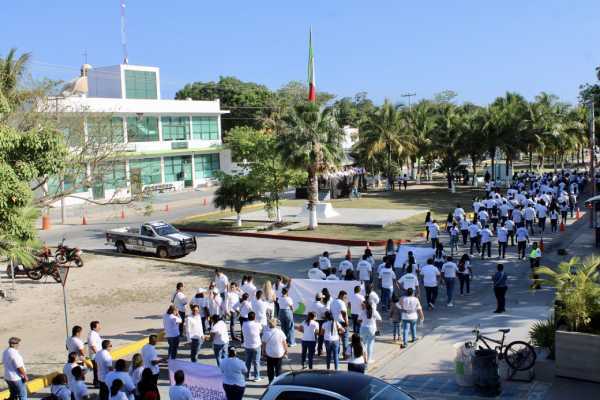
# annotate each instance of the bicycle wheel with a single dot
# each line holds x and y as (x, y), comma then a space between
(520, 356)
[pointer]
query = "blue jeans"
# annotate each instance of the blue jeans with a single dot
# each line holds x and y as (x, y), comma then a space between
(17, 389)
(449, 288)
(253, 358)
(308, 348)
(385, 298)
(406, 323)
(173, 346)
(396, 329)
(286, 317)
(219, 350)
(333, 351)
(355, 323)
(194, 345)
(368, 339)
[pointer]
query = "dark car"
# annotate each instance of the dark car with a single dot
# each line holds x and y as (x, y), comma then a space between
(331, 385)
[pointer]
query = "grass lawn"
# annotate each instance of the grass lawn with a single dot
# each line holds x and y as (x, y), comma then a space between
(216, 224)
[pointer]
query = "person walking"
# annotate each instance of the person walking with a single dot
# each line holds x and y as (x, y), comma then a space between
(411, 311)
(434, 232)
(150, 357)
(510, 228)
(535, 256)
(179, 391)
(94, 341)
(339, 311)
(252, 345)
(474, 230)
(358, 359)
(180, 301)
(502, 234)
(449, 270)
(368, 326)
(500, 287)
(454, 232)
(486, 241)
(221, 282)
(522, 240)
(105, 365)
(364, 268)
(15, 374)
(219, 337)
(310, 330)
(387, 278)
(553, 221)
(286, 317)
(356, 299)
(464, 273)
(431, 280)
(171, 324)
(194, 332)
(331, 331)
(234, 372)
(395, 318)
(275, 348)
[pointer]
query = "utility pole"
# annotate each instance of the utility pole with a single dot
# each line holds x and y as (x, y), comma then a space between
(409, 95)
(123, 35)
(591, 121)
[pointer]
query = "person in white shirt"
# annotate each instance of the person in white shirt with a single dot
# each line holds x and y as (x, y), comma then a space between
(104, 361)
(150, 356)
(411, 310)
(315, 272)
(200, 300)
(120, 373)
(94, 341)
(286, 317)
(179, 391)
(275, 348)
(522, 240)
(194, 332)
(356, 299)
(387, 277)
(434, 232)
(214, 302)
(553, 221)
(248, 286)
(449, 270)
(73, 361)
(232, 298)
(510, 230)
(529, 216)
(310, 331)
(180, 301)
(332, 275)
(368, 326)
(459, 213)
(171, 322)
(14, 370)
(219, 337)
(222, 282)
(483, 217)
(502, 234)
(243, 308)
(80, 391)
(259, 306)
(252, 345)
(486, 242)
(234, 371)
(431, 278)
(339, 311)
(135, 369)
(325, 263)
(346, 265)
(409, 281)
(474, 230)
(331, 330)
(74, 343)
(59, 388)
(364, 268)
(464, 230)
(542, 211)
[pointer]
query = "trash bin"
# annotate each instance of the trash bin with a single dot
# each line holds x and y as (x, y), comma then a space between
(485, 372)
(463, 367)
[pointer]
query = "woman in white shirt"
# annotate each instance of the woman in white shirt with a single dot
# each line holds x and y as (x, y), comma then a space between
(275, 348)
(74, 343)
(194, 332)
(286, 316)
(411, 310)
(219, 336)
(331, 330)
(232, 298)
(358, 361)
(243, 308)
(171, 321)
(136, 368)
(259, 306)
(368, 326)
(310, 330)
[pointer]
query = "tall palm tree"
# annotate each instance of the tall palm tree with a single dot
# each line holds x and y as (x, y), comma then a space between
(12, 69)
(311, 140)
(420, 123)
(474, 120)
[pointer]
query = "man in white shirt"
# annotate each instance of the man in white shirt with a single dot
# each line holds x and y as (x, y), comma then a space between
(275, 348)
(409, 281)
(14, 370)
(179, 391)
(180, 302)
(194, 331)
(104, 361)
(464, 230)
(221, 282)
(150, 356)
(431, 278)
(486, 242)
(171, 322)
(474, 229)
(434, 233)
(483, 217)
(315, 272)
(252, 345)
(363, 268)
(94, 341)
(542, 211)
(449, 270)
(387, 277)
(339, 312)
(325, 263)
(346, 266)
(220, 337)
(260, 306)
(502, 234)
(459, 213)
(510, 229)
(522, 240)
(234, 371)
(529, 216)
(356, 299)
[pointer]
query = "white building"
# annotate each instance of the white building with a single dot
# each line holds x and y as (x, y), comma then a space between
(166, 144)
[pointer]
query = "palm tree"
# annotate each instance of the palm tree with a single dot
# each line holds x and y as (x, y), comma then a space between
(474, 120)
(311, 140)
(12, 69)
(420, 123)
(235, 192)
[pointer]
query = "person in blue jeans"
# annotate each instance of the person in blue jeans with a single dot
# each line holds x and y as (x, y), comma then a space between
(252, 345)
(286, 317)
(220, 338)
(310, 331)
(411, 311)
(449, 271)
(14, 370)
(331, 331)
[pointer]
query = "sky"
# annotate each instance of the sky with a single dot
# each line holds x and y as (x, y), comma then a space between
(479, 49)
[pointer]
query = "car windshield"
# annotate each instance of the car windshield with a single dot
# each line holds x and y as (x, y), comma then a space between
(165, 230)
(380, 390)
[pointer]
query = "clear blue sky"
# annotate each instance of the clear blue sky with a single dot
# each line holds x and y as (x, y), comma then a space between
(477, 48)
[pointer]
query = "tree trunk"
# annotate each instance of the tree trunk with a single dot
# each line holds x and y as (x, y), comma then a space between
(412, 169)
(313, 198)
(473, 161)
(238, 219)
(530, 160)
(554, 160)
(493, 155)
(418, 170)
(277, 210)
(389, 169)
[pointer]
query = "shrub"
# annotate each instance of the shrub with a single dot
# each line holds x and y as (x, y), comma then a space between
(542, 334)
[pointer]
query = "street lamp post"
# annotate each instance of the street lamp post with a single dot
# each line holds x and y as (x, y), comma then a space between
(409, 95)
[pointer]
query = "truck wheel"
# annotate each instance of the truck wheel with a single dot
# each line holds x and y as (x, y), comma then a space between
(121, 247)
(162, 252)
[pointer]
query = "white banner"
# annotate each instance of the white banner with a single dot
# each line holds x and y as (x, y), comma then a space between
(421, 255)
(303, 291)
(204, 381)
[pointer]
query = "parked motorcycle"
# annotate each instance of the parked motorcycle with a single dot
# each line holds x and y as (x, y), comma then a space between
(19, 269)
(65, 254)
(45, 268)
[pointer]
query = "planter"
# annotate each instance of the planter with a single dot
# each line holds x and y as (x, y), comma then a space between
(578, 355)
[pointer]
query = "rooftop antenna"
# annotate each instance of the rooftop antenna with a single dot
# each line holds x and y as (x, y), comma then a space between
(123, 36)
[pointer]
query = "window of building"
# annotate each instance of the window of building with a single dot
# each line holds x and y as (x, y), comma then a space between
(205, 128)
(175, 128)
(114, 174)
(73, 182)
(105, 129)
(143, 129)
(145, 171)
(140, 85)
(206, 165)
(178, 169)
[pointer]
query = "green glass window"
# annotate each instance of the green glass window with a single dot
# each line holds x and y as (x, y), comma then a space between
(140, 85)
(206, 165)
(175, 128)
(73, 180)
(114, 175)
(105, 130)
(143, 129)
(205, 128)
(178, 169)
(146, 170)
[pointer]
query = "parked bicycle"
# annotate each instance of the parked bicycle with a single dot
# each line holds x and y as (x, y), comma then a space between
(519, 355)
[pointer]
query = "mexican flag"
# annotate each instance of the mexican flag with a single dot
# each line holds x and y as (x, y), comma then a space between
(312, 89)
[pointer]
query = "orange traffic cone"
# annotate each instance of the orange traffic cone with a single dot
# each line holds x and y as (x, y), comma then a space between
(45, 222)
(167, 208)
(542, 245)
(349, 254)
(577, 214)
(204, 202)
(84, 220)
(562, 227)
(122, 214)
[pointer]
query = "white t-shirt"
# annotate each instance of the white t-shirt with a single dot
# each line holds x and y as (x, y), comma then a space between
(522, 234)
(486, 234)
(434, 231)
(249, 288)
(430, 273)
(408, 281)
(95, 340)
(79, 390)
(260, 309)
(251, 331)
(171, 324)
(180, 301)
(331, 334)
(387, 277)
(273, 340)
(244, 308)
(345, 266)
(128, 386)
(529, 213)
(502, 234)
(324, 262)
(410, 305)
(219, 330)
(316, 273)
(308, 334)
(179, 392)
(74, 344)
(337, 306)
(318, 308)
(104, 361)
(12, 361)
(149, 354)
(356, 300)
(193, 327)
(509, 225)
(286, 303)
(221, 283)
(332, 277)
(364, 270)
(449, 269)
(369, 323)
(473, 230)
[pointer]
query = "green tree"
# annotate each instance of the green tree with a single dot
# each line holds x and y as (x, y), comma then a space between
(296, 92)
(353, 111)
(12, 68)
(311, 140)
(235, 192)
(474, 119)
(420, 124)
